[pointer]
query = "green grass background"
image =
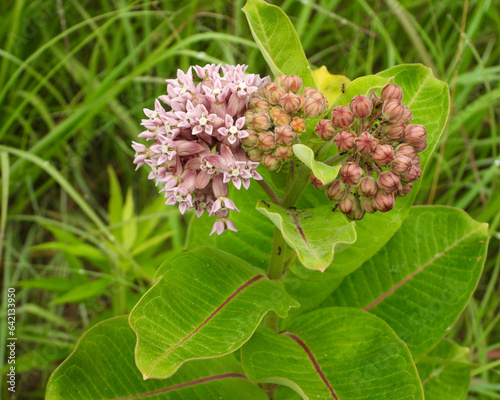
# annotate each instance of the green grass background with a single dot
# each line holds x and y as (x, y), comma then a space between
(82, 233)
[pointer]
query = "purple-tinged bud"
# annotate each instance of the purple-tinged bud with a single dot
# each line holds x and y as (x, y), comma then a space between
(284, 135)
(262, 106)
(421, 146)
(407, 150)
(392, 92)
(315, 105)
(388, 182)
(280, 117)
(342, 117)
(401, 164)
(406, 189)
(220, 188)
(361, 106)
(368, 187)
(395, 130)
(325, 129)
(298, 125)
(365, 143)
(367, 205)
(292, 83)
(416, 160)
(261, 122)
(407, 115)
(412, 175)
(252, 140)
(336, 190)
(255, 154)
(270, 162)
(344, 141)
(291, 103)
(267, 143)
(376, 101)
(283, 153)
(415, 134)
(383, 154)
(393, 110)
(351, 173)
(274, 93)
(358, 212)
(316, 182)
(347, 204)
(383, 202)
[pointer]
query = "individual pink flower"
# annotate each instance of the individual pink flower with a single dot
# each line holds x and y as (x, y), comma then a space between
(233, 130)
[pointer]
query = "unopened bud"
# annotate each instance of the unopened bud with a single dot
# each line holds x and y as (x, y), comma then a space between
(316, 182)
(274, 93)
(406, 189)
(309, 91)
(283, 153)
(394, 130)
(248, 117)
(421, 146)
(358, 212)
(412, 175)
(267, 143)
(361, 106)
(262, 106)
(383, 154)
(351, 173)
(279, 80)
(342, 117)
(365, 143)
(251, 140)
(392, 92)
(407, 150)
(383, 202)
(401, 164)
(325, 129)
(279, 116)
(260, 122)
(291, 103)
(388, 182)
(407, 115)
(347, 204)
(255, 154)
(315, 105)
(298, 125)
(336, 190)
(415, 134)
(376, 101)
(367, 205)
(368, 187)
(393, 110)
(252, 102)
(292, 83)
(284, 135)
(344, 141)
(270, 162)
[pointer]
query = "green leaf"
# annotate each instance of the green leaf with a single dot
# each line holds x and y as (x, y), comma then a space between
(364, 85)
(313, 233)
(420, 282)
(334, 353)
(325, 173)
(83, 291)
(445, 372)
(205, 303)
(102, 367)
(278, 41)
(330, 85)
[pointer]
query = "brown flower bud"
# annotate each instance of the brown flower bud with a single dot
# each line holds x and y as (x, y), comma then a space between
(388, 182)
(260, 122)
(421, 146)
(416, 160)
(383, 154)
(383, 202)
(407, 150)
(262, 106)
(255, 154)
(412, 175)
(336, 190)
(347, 204)
(351, 173)
(292, 83)
(365, 143)
(279, 116)
(298, 125)
(291, 103)
(316, 182)
(361, 106)
(367, 205)
(344, 141)
(283, 153)
(342, 117)
(393, 110)
(391, 92)
(394, 130)
(407, 115)
(368, 187)
(270, 162)
(267, 143)
(325, 129)
(252, 140)
(274, 93)
(401, 164)
(315, 105)
(415, 134)
(284, 135)
(406, 188)
(358, 212)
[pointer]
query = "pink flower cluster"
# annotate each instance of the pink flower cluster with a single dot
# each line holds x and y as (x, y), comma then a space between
(196, 140)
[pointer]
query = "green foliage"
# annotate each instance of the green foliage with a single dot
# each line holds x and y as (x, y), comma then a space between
(325, 173)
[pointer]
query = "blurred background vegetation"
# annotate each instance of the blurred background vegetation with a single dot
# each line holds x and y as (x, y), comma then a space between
(82, 233)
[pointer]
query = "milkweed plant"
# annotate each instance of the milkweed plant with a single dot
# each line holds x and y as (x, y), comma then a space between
(308, 274)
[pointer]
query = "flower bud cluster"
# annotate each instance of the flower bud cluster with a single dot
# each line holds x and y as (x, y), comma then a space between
(276, 116)
(378, 146)
(196, 140)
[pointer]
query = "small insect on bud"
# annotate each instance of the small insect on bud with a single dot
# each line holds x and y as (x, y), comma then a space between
(262, 106)
(267, 143)
(383, 154)
(421, 146)
(342, 117)
(270, 162)
(251, 140)
(316, 182)
(406, 189)
(325, 129)
(388, 182)
(347, 204)
(315, 104)
(260, 122)
(367, 205)
(412, 175)
(292, 83)
(291, 103)
(415, 134)
(336, 190)
(351, 173)
(361, 106)
(407, 115)
(401, 164)
(358, 212)
(391, 92)
(279, 116)
(365, 143)
(344, 141)
(393, 110)
(255, 154)
(274, 93)
(394, 130)
(383, 202)
(284, 135)
(298, 125)
(368, 187)
(283, 153)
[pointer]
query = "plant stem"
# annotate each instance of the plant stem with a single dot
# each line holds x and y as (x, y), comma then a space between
(269, 191)
(296, 187)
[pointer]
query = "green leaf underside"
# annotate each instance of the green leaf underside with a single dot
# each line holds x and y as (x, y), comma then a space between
(445, 372)
(428, 99)
(312, 233)
(325, 173)
(420, 282)
(334, 353)
(278, 40)
(206, 303)
(102, 367)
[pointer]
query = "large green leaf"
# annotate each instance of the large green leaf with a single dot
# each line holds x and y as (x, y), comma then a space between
(312, 233)
(334, 353)
(445, 372)
(420, 282)
(205, 303)
(278, 41)
(102, 367)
